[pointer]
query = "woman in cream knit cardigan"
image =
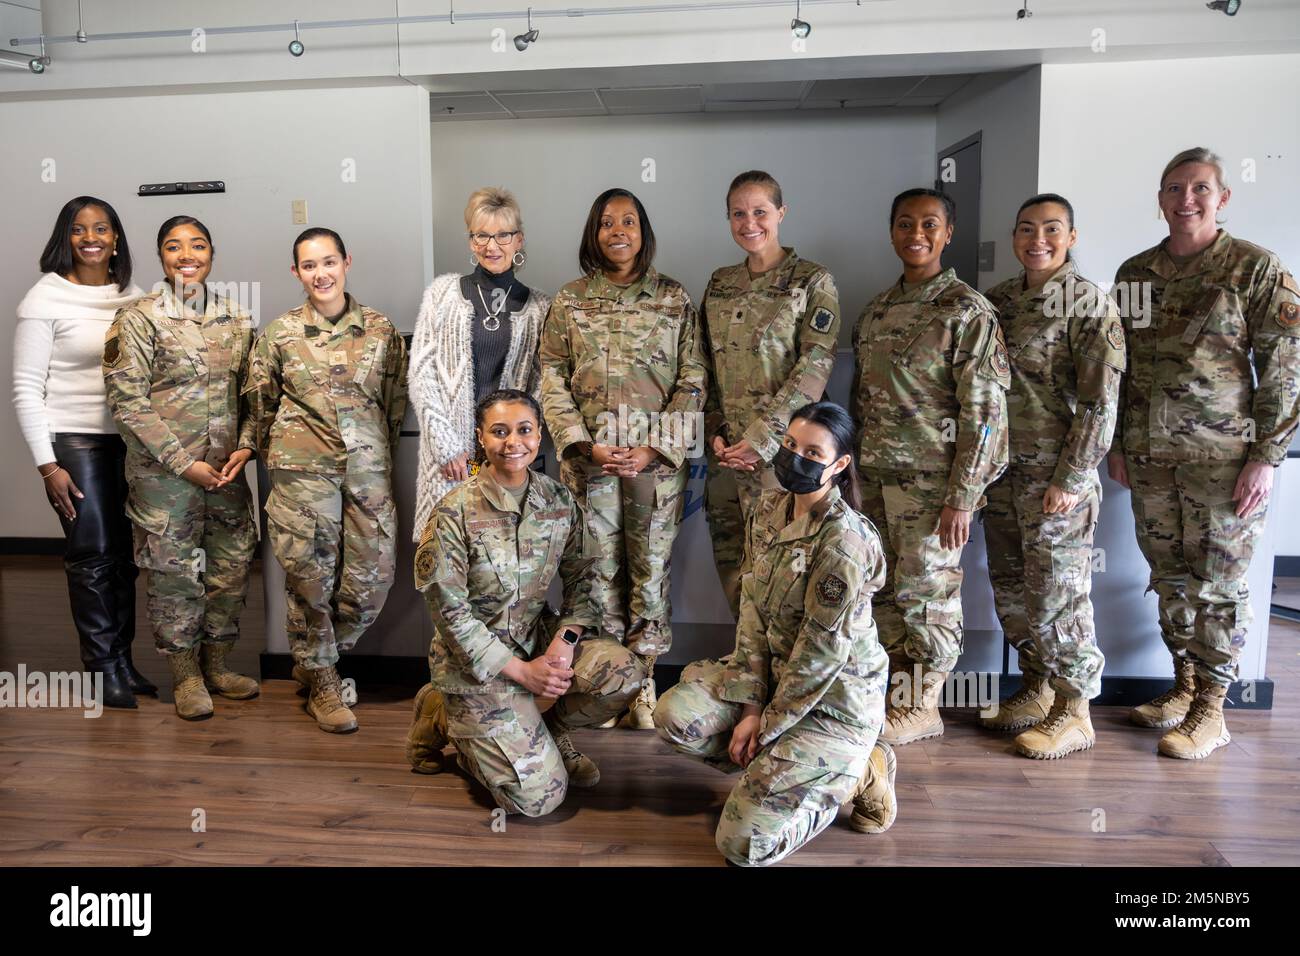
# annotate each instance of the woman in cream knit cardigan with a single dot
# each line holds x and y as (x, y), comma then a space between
(476, 333)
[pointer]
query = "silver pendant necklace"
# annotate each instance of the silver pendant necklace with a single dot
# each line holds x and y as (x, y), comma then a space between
(490, 321)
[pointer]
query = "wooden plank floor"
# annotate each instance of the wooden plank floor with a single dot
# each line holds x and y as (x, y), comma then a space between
(123, 789)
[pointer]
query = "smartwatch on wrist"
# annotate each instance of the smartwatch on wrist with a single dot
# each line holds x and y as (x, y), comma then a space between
(571, 637)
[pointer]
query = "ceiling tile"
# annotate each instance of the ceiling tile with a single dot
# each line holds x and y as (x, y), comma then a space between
(652, 98)
(550, 101)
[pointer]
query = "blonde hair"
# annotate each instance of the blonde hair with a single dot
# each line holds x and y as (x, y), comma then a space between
(1197, 154)
(493, 201)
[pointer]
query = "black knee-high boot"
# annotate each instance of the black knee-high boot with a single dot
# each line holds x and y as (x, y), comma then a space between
(91, 559)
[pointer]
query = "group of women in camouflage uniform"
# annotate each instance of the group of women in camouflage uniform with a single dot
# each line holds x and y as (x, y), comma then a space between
(837, 535)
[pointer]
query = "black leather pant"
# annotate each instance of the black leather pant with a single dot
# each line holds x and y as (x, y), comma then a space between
(98, 560)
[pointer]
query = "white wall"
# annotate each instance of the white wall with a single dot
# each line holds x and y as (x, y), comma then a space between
(1001, 107)
(270, 148)
(1105, 154)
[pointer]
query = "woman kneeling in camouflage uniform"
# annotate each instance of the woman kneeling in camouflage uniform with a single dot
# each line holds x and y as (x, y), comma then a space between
(174, 363)
(800, 701)
(486, 559)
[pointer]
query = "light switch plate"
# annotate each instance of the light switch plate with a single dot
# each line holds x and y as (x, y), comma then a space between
(300, 212)
(984, 256)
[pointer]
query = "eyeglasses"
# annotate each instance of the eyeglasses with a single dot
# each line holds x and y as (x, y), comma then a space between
(481, 239)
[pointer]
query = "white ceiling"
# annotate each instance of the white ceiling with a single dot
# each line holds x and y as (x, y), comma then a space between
(881, 91)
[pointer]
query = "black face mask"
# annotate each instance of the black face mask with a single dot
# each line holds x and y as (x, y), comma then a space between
(796, 473)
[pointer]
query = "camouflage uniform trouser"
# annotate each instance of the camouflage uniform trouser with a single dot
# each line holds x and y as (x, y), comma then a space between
(1041, 569)
(1199, 552)
(918, 610)
(335, 537)
(792, 789)
(503, 742)
(198, 547)
(728, 497)
(632, 523)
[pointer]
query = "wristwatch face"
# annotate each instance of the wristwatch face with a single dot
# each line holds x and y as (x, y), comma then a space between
(570, 637)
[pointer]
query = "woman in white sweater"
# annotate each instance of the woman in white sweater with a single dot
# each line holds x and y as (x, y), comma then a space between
(59, 399)
(476, 333)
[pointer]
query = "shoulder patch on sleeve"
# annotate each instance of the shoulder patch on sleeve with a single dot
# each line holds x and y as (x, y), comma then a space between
(821, 320)
(112, 344)
(1288, 315)
(999, 360)
(1115, 334)
(831, 590)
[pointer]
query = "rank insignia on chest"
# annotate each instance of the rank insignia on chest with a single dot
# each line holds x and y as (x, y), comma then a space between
(821, 320)
(798, 563)
(311, 331)
(830, 591)
(1115, 335)
(1288, 316)
(339, 357)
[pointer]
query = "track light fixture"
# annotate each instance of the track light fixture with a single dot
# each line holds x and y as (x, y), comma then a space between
(295, 45)
(37, 64)
(1024, 11)
(800, 28)
(523, 40)
(1230, 7)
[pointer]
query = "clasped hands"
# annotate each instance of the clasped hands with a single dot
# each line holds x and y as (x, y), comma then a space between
(622, 462)
(740, 456)
(210, 479)
(548, 675)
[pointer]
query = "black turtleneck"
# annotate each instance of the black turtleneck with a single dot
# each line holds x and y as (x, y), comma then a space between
(482, 290)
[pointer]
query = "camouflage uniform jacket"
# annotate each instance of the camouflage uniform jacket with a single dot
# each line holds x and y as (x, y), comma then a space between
(1189, 394)
(930, 381)
(606, 349)
(484, 565)
(770, 341)
(172, 378)
(1066, 346)
(806, 642)
(325, 397)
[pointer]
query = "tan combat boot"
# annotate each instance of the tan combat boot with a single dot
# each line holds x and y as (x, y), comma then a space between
(918, 718)
(875, 805)
(641, 714)
(325, 703)
(303, 677)
(1203, 730)
(192, 700)
(582, 770)
(428, 733)
(1169, 708)
(1067, 728)
(1026, 707)
(218, 677)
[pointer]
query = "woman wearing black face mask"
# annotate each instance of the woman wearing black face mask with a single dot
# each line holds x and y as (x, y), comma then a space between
(799, 703)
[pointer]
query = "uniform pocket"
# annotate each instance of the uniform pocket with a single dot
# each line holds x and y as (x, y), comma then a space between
(153, 549)
(807, 748)
(923, 345)
(293, 538)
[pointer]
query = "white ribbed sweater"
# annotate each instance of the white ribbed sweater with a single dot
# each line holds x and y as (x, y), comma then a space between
(58, 355)
(441, 379)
